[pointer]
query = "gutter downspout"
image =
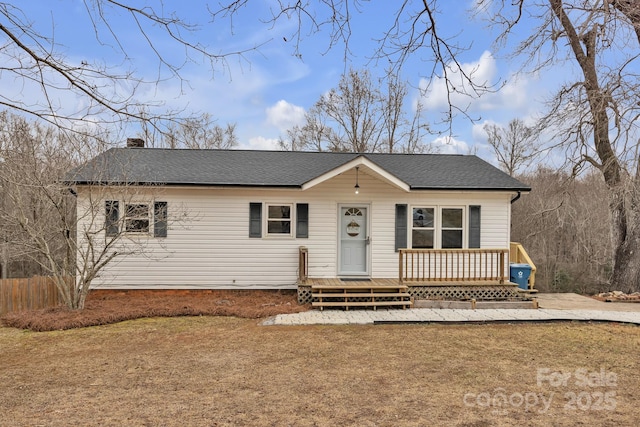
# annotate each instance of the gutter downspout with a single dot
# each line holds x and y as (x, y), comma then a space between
(516, 197)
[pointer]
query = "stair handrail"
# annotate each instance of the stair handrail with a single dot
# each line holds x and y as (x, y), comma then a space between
(519, 255)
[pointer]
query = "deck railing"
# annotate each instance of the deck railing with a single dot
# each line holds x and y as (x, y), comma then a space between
(303, 264)
(453, 265)
(520, 256)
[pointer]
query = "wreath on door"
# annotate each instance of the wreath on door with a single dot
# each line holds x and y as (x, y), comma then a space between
(353, 228)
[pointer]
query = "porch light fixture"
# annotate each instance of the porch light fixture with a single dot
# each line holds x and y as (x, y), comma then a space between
(357, 187)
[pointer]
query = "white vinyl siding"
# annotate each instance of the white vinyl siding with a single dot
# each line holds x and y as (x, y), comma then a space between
(208, 243)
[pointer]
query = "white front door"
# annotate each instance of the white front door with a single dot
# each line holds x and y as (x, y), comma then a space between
(354, 241)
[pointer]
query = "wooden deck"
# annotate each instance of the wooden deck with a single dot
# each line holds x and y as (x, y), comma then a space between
(439, 274)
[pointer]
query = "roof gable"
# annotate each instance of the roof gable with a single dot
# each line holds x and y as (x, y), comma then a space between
(365, 163)
(288, 169)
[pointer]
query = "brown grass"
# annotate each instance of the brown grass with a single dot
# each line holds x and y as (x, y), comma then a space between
(106, 307)
(224, 371)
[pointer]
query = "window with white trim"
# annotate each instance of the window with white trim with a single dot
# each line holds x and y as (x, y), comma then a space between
(423, 228)
(437, 227)
(136, 218)
(452, 229)
(279, 220)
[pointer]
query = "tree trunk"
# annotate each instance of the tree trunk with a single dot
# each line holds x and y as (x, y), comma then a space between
(624, 205)
(4, 264)
(626, 268)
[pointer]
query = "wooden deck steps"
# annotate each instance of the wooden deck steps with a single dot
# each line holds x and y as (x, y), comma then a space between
(335, 293)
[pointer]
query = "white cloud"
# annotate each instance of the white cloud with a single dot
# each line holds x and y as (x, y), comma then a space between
(284, 115)
(477, 130)
(481, 72)
(260, 143)
(450, 145)
(496, 93)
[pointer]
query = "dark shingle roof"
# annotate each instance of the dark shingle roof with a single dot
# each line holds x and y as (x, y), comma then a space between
(283, 168)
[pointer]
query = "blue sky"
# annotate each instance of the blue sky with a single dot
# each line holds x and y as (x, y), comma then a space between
(268, 90)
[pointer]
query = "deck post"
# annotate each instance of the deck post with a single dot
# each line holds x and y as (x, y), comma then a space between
(303, 264)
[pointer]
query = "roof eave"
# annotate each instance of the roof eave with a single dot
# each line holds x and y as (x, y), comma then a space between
(183, 184)
(507, 189)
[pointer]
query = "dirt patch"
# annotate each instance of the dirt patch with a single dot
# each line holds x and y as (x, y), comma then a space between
(106, 307)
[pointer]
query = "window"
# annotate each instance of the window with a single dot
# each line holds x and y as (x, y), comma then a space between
(452, 231)
(279, 219)
(423, 228)
(136, 218)
(437, 227)
(302, 220)
(160, 219)
(112, 214)
(401, 227)
(255, 220)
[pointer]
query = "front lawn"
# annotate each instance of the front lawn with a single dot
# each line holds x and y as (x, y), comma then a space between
(225, 371)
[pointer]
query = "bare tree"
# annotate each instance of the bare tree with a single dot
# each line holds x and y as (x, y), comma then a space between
(199, 133)
(358, 116)
(354, 110)
(564, 224)
(69, 231)
(110, 95)
(594, 118)
(603, 118)
(514, 146)
(311, 136)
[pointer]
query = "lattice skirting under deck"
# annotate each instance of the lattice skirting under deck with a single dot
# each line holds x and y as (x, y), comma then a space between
(462, 293)
(304, 294)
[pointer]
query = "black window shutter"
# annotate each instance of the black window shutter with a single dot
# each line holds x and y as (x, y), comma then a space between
(401, 227)
(474, 226)
(112, 215)
(160, 219)
(302, 220)
(255, 220)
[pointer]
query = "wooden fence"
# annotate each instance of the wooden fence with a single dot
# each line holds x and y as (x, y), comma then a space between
(28, 294)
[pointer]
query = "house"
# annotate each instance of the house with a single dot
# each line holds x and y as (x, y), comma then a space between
(232, 219)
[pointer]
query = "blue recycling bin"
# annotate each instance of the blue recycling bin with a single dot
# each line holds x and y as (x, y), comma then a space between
(519, 274)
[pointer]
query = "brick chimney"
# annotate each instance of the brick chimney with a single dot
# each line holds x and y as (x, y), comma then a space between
(135, 143)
